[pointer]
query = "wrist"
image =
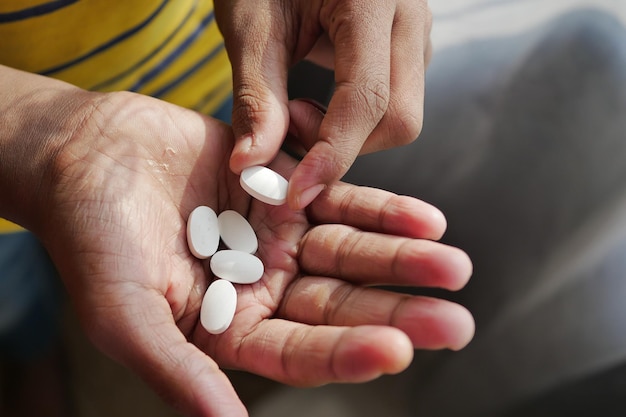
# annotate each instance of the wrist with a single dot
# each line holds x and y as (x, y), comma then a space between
(38, 115)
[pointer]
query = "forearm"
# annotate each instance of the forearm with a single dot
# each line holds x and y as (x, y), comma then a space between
(37, 116)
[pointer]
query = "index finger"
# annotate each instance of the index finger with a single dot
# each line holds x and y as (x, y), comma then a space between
(361, 35)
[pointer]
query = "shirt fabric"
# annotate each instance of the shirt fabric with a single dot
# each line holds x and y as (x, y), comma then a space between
(171, 50)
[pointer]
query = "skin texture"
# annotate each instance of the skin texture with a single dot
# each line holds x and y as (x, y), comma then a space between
(379, 52)
(107, 182)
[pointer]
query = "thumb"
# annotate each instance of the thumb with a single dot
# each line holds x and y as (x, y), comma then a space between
(260, 67)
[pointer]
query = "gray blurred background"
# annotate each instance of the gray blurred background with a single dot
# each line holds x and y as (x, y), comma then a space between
(524, 150)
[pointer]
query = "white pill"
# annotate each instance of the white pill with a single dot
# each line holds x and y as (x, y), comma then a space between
(236, 232)
(218, 306)
(264, 184)
(203, 236)
(236, 266)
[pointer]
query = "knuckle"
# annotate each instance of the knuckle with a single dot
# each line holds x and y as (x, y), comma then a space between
(249, 106)
(410, 128)
(343, 158)
(334, 12)
(407, 125)
(373, 95)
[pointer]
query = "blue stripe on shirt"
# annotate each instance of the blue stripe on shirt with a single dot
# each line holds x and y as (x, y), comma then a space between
(165, 89)
(168, 60)
(39, 10)
(104, 84)
(108, 44)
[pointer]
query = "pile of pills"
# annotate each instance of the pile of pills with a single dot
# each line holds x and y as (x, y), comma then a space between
(237, 264)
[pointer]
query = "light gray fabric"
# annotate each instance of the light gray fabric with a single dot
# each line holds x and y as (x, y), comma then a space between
(524, 150)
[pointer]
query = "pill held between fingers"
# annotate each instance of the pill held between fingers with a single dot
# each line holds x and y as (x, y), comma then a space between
(218, 306)
(236, 266)
(203, 236)
(236, 232)
(264, 184)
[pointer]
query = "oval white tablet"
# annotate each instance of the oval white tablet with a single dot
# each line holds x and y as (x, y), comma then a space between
(264, 184)
(236, 266)
(218, 306)
(236, 232)
(203, 235)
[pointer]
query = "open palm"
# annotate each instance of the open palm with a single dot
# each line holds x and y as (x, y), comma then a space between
(123, 188)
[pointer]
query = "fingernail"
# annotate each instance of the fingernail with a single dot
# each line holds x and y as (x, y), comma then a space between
(308, 195)
(239, 157)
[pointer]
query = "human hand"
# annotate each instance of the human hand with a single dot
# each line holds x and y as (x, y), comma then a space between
(379, 51)
(113, 219)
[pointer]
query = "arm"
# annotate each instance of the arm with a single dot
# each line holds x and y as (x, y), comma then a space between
(39, 115)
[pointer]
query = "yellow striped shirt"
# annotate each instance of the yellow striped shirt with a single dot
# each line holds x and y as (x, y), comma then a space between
(169, 49)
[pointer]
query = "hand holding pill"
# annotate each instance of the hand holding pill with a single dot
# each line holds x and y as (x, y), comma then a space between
(379, 52)
(113, 211)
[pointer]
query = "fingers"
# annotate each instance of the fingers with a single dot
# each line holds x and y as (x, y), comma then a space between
(372, 258)
(303, 355)
(377, 210)
(143, 336)
(403, 119)
(259, 63)
(329, 331)
(428, 322)
(380, 59)
(361, 34)
(305, 119)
